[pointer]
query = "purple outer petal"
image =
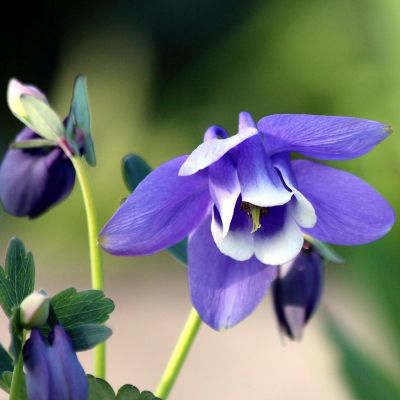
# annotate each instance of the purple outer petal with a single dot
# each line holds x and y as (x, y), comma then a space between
(260, 182)
(215, 132)
(224, 291)
(162, 210)
(33, 180)
(349, 211)
(303, 211)
(319, 136)
(212, 150)
(246, 121)
(36, 368)
(69, 369)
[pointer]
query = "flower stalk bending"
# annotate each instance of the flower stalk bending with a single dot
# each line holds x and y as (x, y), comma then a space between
(96, 265)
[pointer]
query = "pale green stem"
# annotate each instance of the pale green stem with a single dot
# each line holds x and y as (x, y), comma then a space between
(96, 265)
(179, 355)
(17, 374)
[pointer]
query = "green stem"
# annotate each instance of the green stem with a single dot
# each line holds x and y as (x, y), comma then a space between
(96, 265)
(179, 355)
(16, 378)
(17, 373)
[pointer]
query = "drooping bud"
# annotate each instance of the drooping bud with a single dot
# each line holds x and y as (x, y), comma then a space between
(14, 92)
(34, 310)
(297, 290)
(33, 180)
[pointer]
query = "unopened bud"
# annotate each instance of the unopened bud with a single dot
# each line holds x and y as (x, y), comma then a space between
(34, 310)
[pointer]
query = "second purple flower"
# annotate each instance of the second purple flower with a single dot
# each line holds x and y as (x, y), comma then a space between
(246, 206)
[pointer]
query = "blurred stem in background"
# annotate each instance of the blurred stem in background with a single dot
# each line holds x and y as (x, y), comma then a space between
(179, 355)
(96, 265)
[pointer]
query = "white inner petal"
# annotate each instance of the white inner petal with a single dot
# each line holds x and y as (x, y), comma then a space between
(237, 243)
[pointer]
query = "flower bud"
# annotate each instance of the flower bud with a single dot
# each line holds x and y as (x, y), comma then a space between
(14, 92)
(33, 180)
(297, 290)
(34, 310)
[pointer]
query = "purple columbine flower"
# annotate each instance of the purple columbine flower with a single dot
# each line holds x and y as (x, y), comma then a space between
(35, 179)
(53, 371)
(246, 206)
(297, 290)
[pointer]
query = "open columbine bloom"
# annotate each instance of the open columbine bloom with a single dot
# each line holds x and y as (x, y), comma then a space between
(246, 206)
(53, 371)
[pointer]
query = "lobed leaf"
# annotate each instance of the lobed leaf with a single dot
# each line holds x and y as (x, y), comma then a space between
(87, 336)
(18, 279)
(73, 308)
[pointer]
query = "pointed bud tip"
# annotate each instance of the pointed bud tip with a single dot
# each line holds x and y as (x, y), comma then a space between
(15, 90)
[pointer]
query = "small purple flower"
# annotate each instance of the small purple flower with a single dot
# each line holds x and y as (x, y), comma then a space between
(33, 180)
(246, 206)
(297, 290)
(53, 371)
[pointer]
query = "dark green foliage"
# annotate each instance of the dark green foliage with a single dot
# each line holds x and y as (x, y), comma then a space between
(5, 384)
(17, 280)
(6, 362)
(134, 170)
(100, 389)
(74, 308)
(87, 336)
(365, 377)
(82, 315)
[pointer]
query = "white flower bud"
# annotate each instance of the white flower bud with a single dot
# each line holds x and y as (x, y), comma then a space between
(14, 92)
(34, 310)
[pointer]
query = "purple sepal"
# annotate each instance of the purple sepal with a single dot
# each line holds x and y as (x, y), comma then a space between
(33, 180)
(52, 369)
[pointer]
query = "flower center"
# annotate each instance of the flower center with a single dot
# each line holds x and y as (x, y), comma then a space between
(255, 213)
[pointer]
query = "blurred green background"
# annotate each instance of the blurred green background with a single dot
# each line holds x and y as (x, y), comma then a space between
(159, 74)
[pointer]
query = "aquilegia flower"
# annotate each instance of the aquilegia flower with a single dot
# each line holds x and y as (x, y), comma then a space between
(36, 172)
(34, 179)
(246, 206)
(53, 371)
(297, 290)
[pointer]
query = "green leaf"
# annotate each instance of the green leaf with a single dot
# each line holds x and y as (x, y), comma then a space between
(146, 395)
(87, 336)
(128, 392)
(42, 119)
(134, 170)
(325, 250)
(179, 251)
(99, 389)
(366, 378)
(6, 361)
(5, 384)
(32, 144)
(80, 112)
(18, 279)
(74, 308)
